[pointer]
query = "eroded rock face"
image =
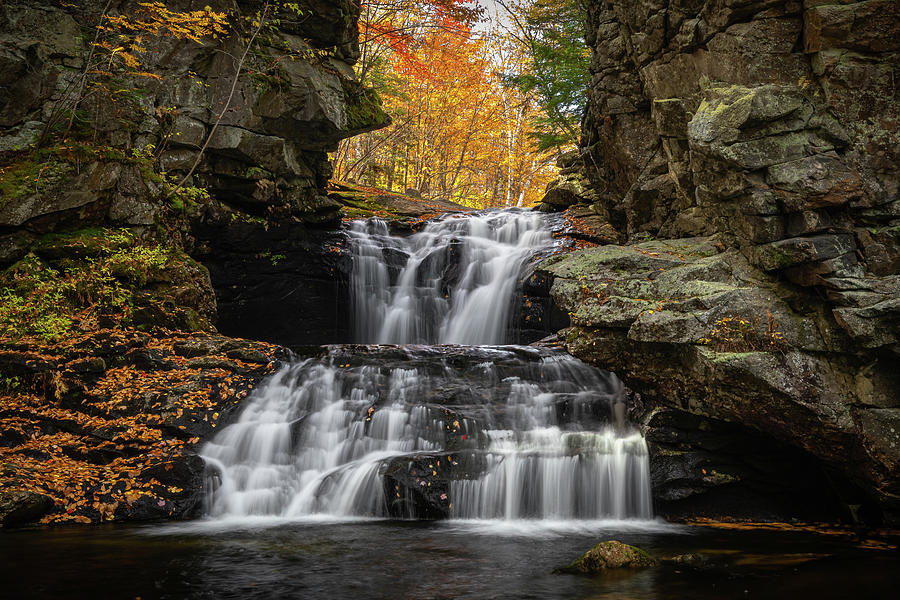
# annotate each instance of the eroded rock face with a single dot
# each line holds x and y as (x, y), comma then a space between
(759, 143)
(267, 156)
(697, 329)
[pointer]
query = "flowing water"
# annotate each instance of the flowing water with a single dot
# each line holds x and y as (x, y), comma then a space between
(454, 282)
(471, 432)
(488, 432)
(443, 471)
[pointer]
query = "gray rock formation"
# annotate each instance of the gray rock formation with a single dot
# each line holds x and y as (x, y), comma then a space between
(759, 140)
(296, 98)
(260, 183)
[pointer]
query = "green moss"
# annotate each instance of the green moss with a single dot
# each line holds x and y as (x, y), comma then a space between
(72, 280)
(362, 203)
(364, 108)
(92, 241)
(31, 173)
(242, 217)
(257, 173)
(609, 555)
(39, 170)
(278, 82)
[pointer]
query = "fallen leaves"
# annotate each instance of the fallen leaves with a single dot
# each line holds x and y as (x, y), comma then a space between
(99, 452)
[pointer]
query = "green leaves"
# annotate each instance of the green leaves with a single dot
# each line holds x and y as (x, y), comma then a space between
(553, 33)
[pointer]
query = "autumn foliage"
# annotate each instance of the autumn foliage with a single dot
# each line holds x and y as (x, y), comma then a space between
(106, 438)
(460, 131)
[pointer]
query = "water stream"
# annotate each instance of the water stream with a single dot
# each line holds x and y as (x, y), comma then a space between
(453, 282)
(485, 466)
(463, 428)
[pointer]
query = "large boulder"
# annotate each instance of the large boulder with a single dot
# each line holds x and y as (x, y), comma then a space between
(696, 328)
(606, 556)
(20, 508)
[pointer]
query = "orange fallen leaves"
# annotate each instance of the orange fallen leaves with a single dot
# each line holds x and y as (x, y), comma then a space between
(96, 457)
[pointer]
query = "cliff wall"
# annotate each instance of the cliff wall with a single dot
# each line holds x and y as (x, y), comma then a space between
(748, 152)
(110, 373)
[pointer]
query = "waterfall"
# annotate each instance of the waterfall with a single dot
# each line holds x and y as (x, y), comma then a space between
(453, 282)
(440, 431)
(522, 432)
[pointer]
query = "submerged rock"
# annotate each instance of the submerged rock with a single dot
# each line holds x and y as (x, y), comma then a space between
(608, 555)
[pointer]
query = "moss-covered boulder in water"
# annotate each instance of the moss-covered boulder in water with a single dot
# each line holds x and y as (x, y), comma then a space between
(609, 555)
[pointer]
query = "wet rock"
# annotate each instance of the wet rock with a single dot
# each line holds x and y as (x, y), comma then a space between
(793, 251)
(197, 347)
(693, 560)
(251, 261)
(248, 355)
(88, 365)
(607, 556)
(418, 487)
(21, 508)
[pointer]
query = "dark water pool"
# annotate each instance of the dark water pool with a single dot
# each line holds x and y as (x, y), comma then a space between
(413, 560)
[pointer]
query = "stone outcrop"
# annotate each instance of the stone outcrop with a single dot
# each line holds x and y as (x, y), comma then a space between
(608, 555)
(296, 99)
(257, 198)
(698, 330)
(759, 143)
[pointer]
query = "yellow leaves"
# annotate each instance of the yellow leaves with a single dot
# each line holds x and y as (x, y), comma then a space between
(152, 20)
(91, 460)
(106, 510)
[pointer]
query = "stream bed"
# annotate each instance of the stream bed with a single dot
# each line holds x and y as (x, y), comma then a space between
(261, 558)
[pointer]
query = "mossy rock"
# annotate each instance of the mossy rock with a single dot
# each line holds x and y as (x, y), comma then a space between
(606, 556)
(365, 111)
(90, 242)
(19, 507)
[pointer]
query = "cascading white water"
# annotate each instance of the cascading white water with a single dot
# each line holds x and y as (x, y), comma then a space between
(507, 432)
(522, 433)
(451, 283)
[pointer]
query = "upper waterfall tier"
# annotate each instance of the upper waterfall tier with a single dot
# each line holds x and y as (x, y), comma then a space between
(453, 282)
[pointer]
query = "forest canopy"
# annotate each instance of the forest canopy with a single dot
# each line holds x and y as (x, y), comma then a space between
(484, 97)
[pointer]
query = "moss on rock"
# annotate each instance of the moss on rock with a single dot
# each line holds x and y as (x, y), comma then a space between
(80, 280)
(608, 555)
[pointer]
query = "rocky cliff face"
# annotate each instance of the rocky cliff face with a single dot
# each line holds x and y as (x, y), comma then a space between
(761, 140)
(99, 420)
(296, 99)
(133, 135)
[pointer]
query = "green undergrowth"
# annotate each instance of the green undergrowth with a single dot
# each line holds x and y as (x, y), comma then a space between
(72, 282)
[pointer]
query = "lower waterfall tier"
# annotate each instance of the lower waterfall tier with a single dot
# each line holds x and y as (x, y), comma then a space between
(433, 432)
